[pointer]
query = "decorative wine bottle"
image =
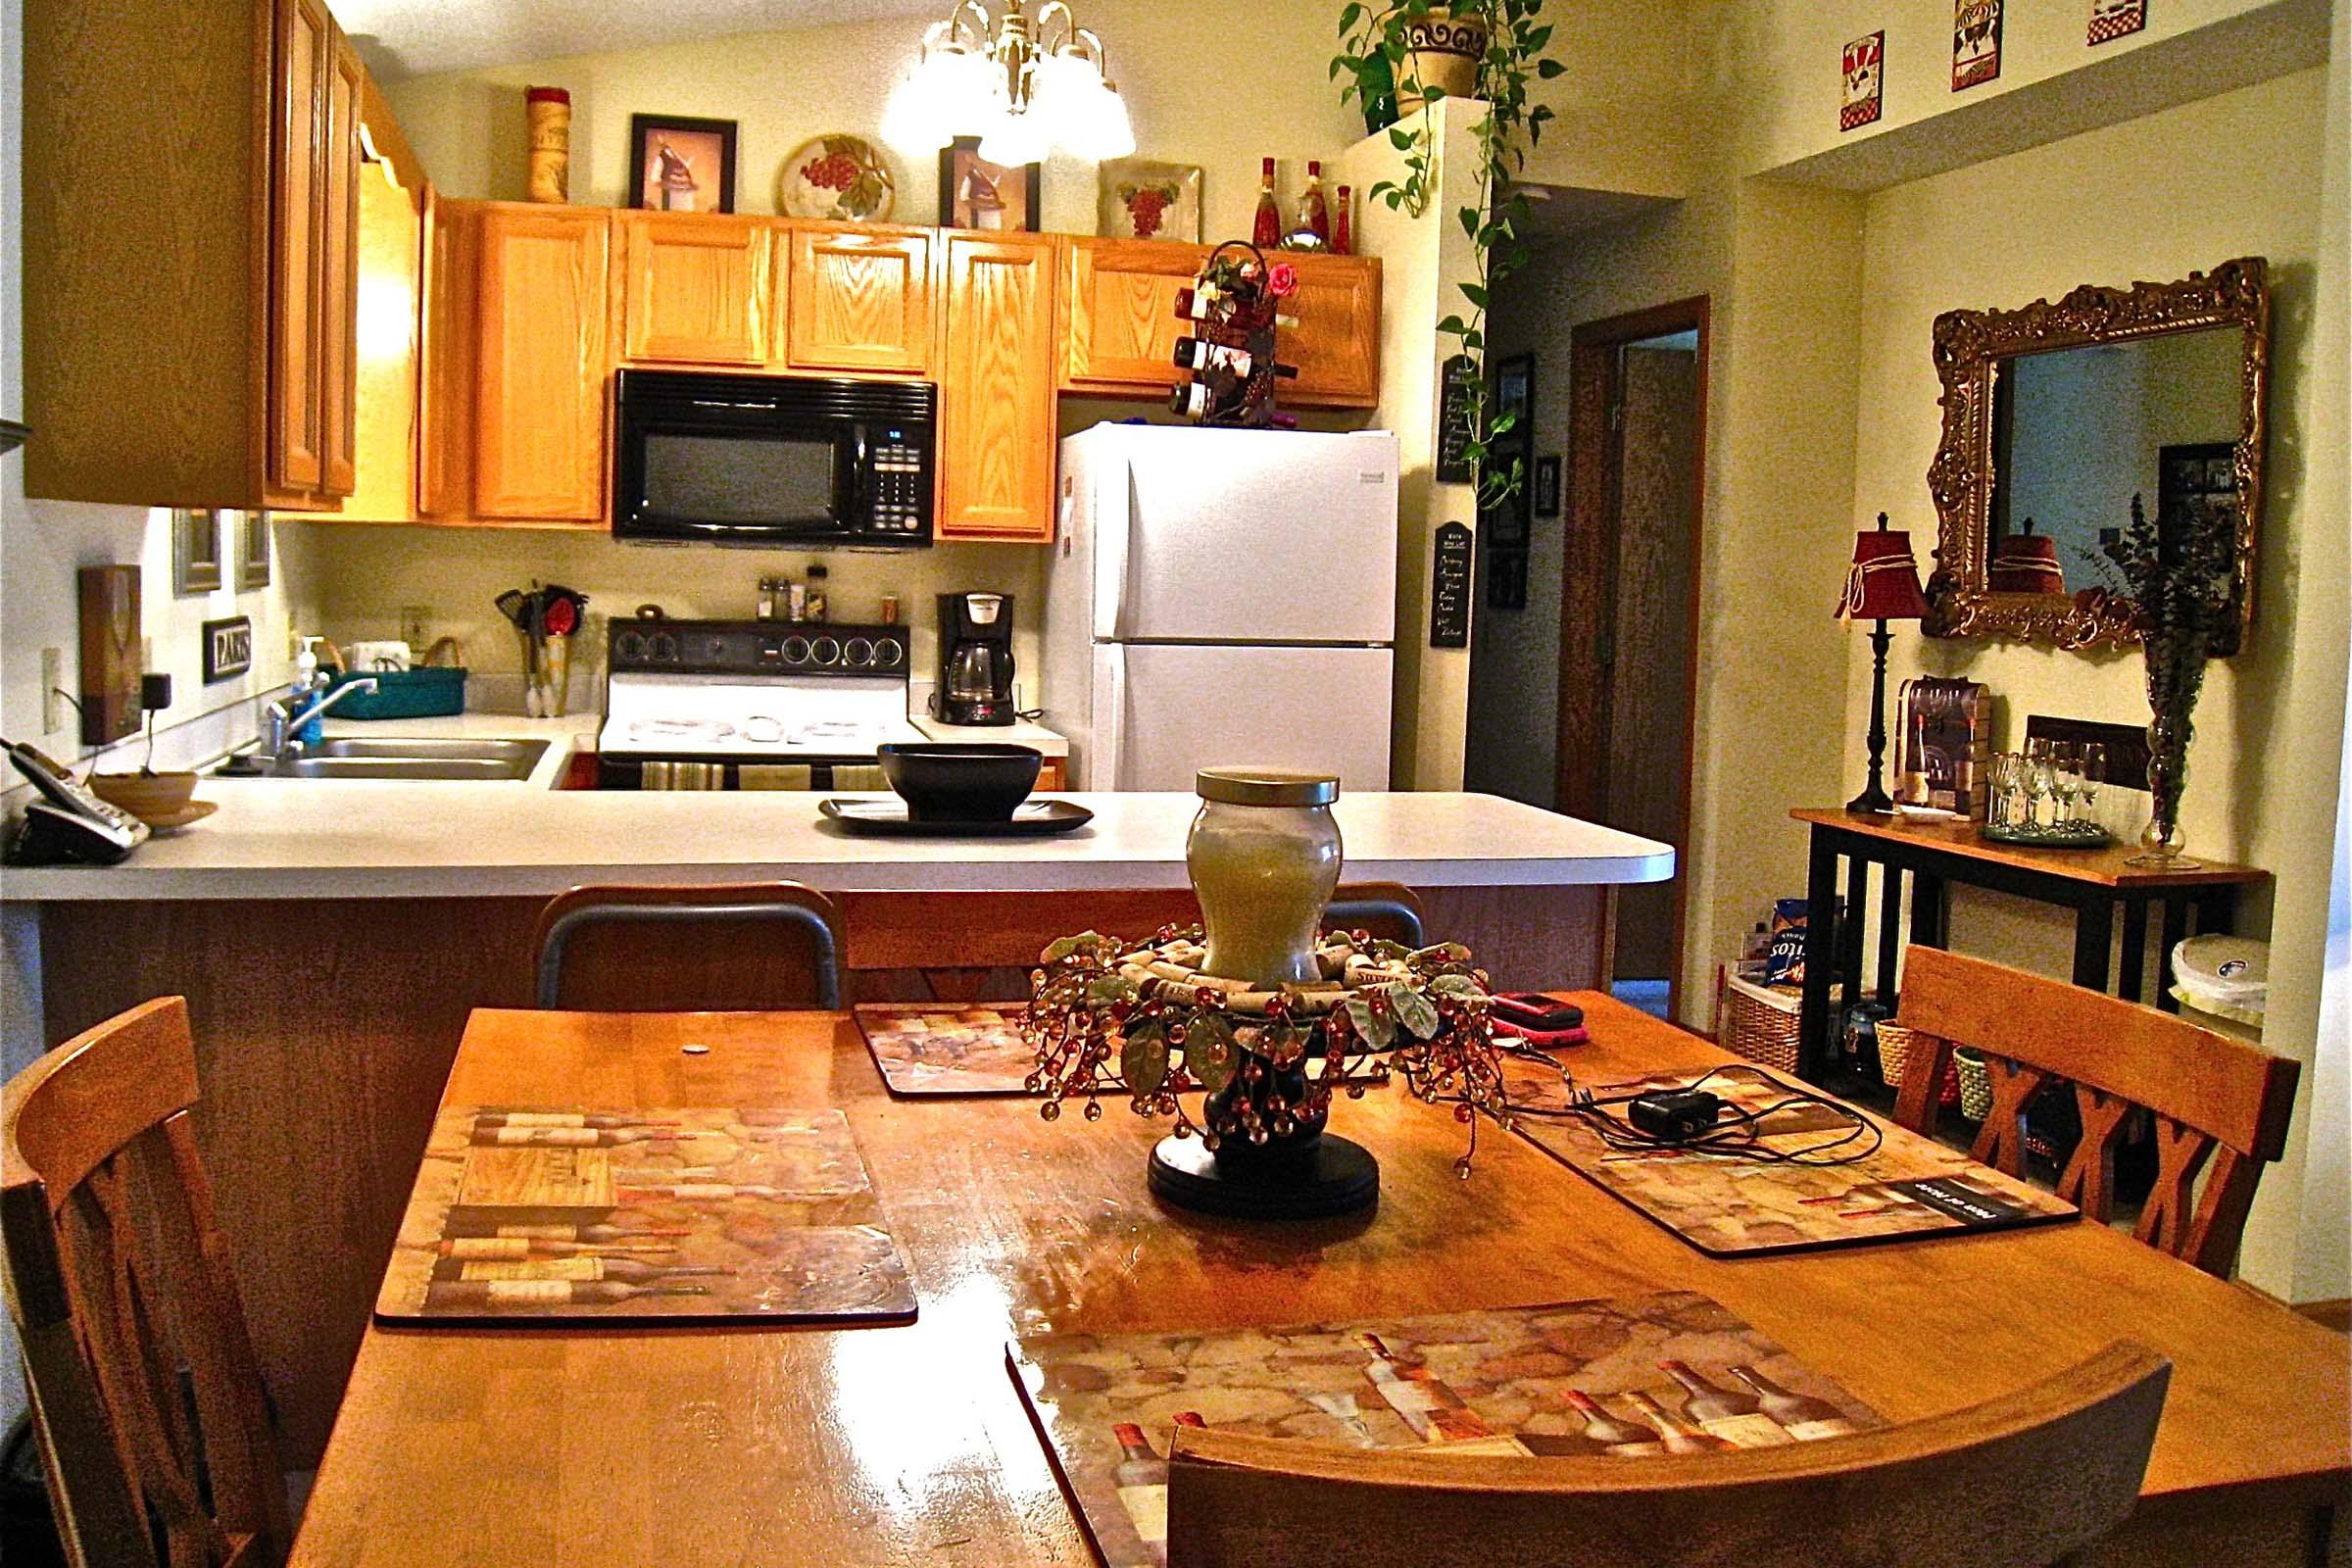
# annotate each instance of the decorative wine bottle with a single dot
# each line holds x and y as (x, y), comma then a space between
(447, 1294)
(514, 1248)
(1677, 1435)
(1615, 1435)
(568, 1137)
(1142, 1480)
(1731, 1415)
(1342, 223)
(1314, 214)
(1802, 1416)
(567, 1268)
(1266, 231)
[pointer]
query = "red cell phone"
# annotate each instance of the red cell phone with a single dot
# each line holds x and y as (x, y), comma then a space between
(1532, 1011)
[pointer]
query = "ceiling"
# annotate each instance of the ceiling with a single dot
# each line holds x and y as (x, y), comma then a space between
(419, 38)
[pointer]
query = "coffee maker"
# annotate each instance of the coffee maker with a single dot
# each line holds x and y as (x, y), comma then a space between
(975, 660)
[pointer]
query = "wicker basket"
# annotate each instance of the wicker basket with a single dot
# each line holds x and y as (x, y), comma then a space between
(1976, 1084)
(1894, 1052)
(1758, 1022)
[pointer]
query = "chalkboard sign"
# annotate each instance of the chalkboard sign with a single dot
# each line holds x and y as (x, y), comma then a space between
(1457, 388)
(1450, 589)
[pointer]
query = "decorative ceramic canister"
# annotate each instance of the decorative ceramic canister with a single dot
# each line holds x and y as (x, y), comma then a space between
(550, 143)
(1264, 856)
(1441, 50)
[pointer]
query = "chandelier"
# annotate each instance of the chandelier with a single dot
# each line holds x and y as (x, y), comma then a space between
(1025, 87)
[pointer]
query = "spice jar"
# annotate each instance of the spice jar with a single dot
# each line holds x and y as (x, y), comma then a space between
(550, 144)
(1264, 855)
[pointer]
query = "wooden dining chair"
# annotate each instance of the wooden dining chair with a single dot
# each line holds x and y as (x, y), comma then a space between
(154, 1427)
(2030, 1478)
(741, 949)
(2216, 1100)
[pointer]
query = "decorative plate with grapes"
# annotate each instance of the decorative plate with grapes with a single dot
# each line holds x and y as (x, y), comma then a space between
(842, 178)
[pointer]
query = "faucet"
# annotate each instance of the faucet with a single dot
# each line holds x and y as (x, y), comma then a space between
(283, 747)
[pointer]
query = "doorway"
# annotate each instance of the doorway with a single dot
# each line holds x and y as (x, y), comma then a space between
(1629, 612)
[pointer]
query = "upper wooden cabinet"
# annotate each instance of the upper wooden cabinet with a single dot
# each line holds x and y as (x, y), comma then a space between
(542, 362)
(190, 318)
(1123, 326)
(694, 288)
(997, 396)
(859, 299)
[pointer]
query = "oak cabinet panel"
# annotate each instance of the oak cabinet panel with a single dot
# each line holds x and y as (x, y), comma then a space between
(447, 286)
(539, 414)
(1123, 314)
(997, 391)
(859, 299)
(695, 288)
(1336, 344)
(339, 275)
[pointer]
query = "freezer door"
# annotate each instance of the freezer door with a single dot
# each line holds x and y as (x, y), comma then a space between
(1256, 536)
(1163, 711)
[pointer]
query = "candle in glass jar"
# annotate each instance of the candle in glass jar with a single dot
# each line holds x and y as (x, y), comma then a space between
(1264, 856)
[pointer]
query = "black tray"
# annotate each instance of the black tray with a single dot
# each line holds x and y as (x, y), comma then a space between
(889, 819)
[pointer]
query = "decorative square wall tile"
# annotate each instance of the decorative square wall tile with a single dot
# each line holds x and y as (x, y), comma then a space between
(2116, 19)
(1975, 42)
(1865, 82)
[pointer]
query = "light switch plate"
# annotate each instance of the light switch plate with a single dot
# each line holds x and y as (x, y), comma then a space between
(53, 689)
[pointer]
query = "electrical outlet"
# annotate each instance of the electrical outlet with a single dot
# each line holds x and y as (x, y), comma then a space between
(53, 680)
(414, 619)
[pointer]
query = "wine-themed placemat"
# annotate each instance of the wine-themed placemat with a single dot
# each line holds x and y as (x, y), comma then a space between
(1675, 1373)
(1909, 1186)
(697, 1214)
(940, 1048)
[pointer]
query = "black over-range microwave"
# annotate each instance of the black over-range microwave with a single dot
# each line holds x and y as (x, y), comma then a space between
(762, 460)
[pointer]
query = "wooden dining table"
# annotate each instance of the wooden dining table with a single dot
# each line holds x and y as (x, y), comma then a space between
(585, 1443)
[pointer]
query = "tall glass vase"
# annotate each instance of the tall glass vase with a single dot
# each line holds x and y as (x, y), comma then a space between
(2175, 659)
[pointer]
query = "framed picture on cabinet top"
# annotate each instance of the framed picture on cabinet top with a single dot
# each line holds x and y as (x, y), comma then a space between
(974, 193)
(195, 550)
(1143, 198)
(681, 165)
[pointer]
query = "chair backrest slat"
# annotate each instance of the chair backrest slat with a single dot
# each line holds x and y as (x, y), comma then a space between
(2037, 1475)
(688, 949)
(145, 1389)
(2220, 1105)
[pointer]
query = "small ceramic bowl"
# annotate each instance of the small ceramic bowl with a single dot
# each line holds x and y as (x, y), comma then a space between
(149, 796)
(959, 782)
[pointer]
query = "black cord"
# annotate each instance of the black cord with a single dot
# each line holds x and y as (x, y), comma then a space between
(1736, 1136)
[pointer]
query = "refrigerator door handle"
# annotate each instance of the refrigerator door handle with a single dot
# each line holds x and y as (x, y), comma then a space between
(1117, 547)
(1110, 727)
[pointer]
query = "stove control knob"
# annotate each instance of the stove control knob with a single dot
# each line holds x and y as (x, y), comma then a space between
(629, 647)
(665, 647)
(857, 653)
(825, 650)
(796, 650)
(889, 653)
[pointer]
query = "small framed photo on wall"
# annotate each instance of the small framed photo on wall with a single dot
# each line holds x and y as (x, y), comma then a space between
(253, 551)
(681, 165)
(195, 550)
(1514, 395)
(1548, 485)
(974, 193)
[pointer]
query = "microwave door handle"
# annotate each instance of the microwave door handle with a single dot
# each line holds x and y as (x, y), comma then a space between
(857, 491)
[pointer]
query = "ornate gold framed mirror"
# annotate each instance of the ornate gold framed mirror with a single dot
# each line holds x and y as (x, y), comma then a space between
(2056, 416)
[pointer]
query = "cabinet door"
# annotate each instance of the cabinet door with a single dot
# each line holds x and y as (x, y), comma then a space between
(539, 414)
(859, 300)
(445, 387)
(339, 273)
(694, 286)
(1336, 342)
(299, 133)
(997, 394)
(1123, 326)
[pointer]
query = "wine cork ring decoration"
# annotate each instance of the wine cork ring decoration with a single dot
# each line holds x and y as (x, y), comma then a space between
(1263, 1017)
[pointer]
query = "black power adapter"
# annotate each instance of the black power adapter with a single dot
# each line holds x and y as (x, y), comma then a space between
(1675, 1116)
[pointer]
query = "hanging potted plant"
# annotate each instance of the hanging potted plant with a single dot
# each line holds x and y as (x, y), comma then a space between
(1398, 45)
(2180, 577)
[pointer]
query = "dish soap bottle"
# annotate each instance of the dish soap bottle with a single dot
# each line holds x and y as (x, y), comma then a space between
(302, 693)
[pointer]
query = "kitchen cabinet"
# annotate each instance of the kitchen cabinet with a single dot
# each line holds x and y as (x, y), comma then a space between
(694, 288)
(997, 410)
(539, 332)
(1122, 329)
(191, 315)
(857, 299)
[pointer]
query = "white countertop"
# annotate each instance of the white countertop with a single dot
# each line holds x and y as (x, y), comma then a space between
(333, 838)
(1020, 732)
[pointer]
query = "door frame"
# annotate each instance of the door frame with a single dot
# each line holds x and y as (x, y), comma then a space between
(1589, 583)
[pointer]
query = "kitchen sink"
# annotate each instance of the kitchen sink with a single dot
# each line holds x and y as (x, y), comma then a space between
(486, 762)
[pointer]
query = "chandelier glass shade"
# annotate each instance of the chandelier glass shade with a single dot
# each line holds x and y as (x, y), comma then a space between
(1025, 86)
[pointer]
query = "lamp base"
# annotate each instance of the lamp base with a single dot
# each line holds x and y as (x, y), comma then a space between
(1327, 1176)
(1872, 801)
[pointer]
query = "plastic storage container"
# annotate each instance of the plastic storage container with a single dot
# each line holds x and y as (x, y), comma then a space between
(404, 693)
(2223, 977)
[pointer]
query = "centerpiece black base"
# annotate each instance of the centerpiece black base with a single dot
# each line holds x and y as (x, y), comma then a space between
(1313, 1179)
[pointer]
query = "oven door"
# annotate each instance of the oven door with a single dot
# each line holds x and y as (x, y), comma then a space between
(741, 474)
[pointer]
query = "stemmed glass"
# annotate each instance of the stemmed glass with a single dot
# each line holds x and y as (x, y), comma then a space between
(2004, 786)
(2041, 784)
(2094, 774)
(2066, 781)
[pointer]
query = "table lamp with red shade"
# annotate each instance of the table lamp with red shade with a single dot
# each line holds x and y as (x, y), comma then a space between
(1881, 586)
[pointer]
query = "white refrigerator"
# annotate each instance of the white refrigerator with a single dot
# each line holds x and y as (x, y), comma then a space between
(1221, 597)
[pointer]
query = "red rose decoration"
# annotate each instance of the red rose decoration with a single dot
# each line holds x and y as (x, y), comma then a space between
(1281, 278)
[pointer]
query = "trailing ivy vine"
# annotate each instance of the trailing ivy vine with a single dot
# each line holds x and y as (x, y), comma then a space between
(1372, 57)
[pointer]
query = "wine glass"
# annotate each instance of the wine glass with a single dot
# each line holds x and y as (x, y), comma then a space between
(2004, 785)
(2066, 781)
(2041, 784)
(2094, 774)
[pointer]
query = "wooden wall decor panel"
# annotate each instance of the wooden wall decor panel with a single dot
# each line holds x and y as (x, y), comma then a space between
(997, 408)
(695, 287)
(860, 300)
(1336, 342)
(539, 422)
(146, 363)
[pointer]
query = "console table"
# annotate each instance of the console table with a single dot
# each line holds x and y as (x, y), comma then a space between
(2092, 883)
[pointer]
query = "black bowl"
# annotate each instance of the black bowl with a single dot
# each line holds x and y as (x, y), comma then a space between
(959, 782)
